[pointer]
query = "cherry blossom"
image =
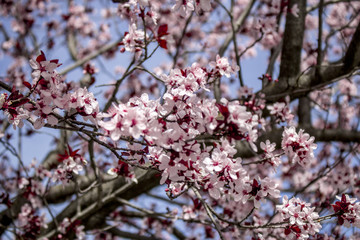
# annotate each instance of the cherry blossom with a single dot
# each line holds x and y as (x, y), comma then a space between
(348, 211)
(258, 189)
(281, 111)
(185, 7)
(299, 147)
(269, 154)
(42, 68)
(29, 222)
(133, 39)
(223, 67)
(301, 217)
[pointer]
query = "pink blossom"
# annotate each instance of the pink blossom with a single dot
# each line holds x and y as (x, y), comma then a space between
(132, 38)
(222, 65)
(299, 147)
(269, 154)
(23, 182)
(348, 210)
(281, 111)
(204, 5)
(300, 216)
(63, 225)
(184, 6)
(42, 68)
(258, 189)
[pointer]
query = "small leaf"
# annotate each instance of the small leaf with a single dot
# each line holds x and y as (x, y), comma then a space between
(41, 57)
(343, 198)
(162, 31)
(21, 102)
(27, 84)
(55, 61)
(162, 43)
(296, 229)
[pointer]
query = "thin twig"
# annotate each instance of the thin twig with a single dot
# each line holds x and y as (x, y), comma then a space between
(89, 57)
(208, 211)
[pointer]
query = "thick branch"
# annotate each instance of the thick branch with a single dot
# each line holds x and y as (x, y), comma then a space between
(60, 193)
(291, 48)
(328, 74)
(352, 56)
(304, 112)
(117, 188)
(127, 235)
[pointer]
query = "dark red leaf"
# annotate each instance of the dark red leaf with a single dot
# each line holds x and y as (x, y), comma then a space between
(343, 198)
(142, 13)
(340, 220)
(71, 152)
(183, 72)
(27, 84)
(209, 232)
(162, 43)
(12, 112)
(15, 95)
(41, 57)
(223, 110)
(296, 229)
(162, 31)
(336, 207)
(197, 203)
(55, 61)
(67, 154)
(65, 17)
(255, 183)
(19, 103)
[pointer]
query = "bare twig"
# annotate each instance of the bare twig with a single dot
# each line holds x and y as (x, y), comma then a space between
(208, 211)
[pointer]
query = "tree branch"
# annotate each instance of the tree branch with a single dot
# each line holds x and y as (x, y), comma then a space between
(90, 56)
(328, 74)
(291, 48)
(239, 22)
(89, 204)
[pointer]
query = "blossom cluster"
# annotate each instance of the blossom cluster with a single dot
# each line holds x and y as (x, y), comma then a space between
(269, 153)
(258, 189)
(302, 218)
(66, 227)
(348, 211)
(185, 7)
(52, 94)
(223, 67)
(70, 162)
(29, 222)
(170, 130)
(281, 111)
(133, 40)
(299, 147)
